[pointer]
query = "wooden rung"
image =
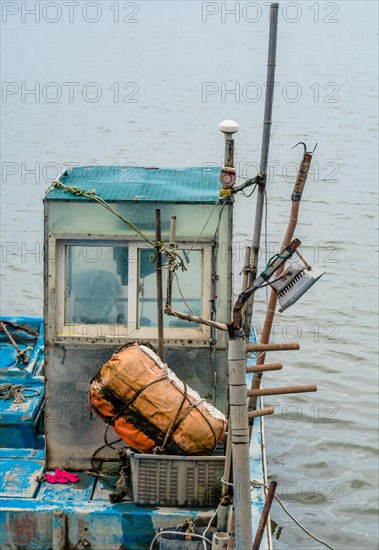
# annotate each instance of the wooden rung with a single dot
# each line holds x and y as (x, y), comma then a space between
(260, 412)
(265, 367)
(271, 347)
(279, 391)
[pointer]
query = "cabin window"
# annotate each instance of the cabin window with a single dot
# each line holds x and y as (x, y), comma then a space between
(107, 289)
(96, 284)
(186, 291)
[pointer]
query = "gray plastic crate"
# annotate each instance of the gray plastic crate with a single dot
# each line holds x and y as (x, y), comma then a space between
(169, 480)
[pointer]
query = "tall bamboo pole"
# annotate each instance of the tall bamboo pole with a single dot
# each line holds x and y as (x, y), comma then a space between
(271, 64)
(271, 307)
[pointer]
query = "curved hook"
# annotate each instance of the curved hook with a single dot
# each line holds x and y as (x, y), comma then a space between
(314, 149)
(301, 143)
(305, 147)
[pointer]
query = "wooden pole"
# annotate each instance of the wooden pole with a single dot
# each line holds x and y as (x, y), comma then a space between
(172, 229)
(269, 100)
(21, 354)
(262, 412)
(11, 339)
(271, 347)
(265, 368)
(271, 306)
(158, 237)
(281, 391)
(265, 515)
(246, 268)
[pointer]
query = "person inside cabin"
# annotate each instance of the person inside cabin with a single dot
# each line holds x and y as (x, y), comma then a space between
(98, 298)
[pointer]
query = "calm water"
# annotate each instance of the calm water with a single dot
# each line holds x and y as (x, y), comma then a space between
(151, 90)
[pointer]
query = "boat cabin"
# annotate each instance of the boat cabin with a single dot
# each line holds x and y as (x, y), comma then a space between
(101, 289)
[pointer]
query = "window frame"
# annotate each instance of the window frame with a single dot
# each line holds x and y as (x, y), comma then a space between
(119, 332)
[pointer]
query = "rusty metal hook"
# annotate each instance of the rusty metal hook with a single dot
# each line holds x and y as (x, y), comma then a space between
(305, 147)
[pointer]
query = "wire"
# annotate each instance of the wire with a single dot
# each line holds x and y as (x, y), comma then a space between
(255, 484)
(205, 540)
(205, 225)
(272, 282)
(251, 192)
(215, 239)
(181, 294)
(210, 522)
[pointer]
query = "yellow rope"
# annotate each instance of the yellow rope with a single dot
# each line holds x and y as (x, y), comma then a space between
(159, 246)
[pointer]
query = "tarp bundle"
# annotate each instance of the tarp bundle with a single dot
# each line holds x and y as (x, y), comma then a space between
(151, 409)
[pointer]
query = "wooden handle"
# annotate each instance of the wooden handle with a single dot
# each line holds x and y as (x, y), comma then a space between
(260, 412)
(265, 515)
(272, 347)
(280, 391)
(265, 367)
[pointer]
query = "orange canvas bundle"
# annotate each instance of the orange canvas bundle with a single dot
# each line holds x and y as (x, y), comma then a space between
(151, 409)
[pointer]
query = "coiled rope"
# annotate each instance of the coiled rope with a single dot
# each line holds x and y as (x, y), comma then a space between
(18, 392)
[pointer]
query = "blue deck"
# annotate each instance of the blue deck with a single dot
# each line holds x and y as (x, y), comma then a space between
(136, 184)
(27, 520)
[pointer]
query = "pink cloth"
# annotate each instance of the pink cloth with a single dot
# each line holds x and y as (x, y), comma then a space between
(61, 476)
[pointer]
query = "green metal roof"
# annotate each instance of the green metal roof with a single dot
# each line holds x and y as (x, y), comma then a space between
(135, 183)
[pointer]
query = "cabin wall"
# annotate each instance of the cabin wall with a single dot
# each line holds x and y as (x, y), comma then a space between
(72, 435)
(72, 432)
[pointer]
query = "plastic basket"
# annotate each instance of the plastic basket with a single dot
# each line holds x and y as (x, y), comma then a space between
(176, 480)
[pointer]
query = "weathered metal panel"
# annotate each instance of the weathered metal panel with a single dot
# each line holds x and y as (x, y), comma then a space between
(70, 493)
(122, 526)
(18, 478)
(25, 529)
(72, 433)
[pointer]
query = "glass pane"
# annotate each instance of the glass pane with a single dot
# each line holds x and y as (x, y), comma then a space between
(186, 291)
(96, 284)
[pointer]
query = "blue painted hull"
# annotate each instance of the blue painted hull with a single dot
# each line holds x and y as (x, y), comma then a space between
(36, 515)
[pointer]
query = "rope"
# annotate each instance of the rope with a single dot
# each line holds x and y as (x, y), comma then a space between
(23, 355)
(255, 484)
(132, 399)
(159, 246)
(274, 257)
(251, 192)
(17, 392)
(172, 427)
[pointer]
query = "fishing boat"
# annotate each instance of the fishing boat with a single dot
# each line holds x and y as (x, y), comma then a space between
(142, 258)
